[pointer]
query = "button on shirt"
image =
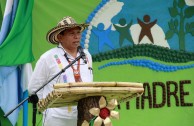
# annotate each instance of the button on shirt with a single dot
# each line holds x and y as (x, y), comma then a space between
(51, 63)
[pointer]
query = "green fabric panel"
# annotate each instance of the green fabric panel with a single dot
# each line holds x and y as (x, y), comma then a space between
(17, 47)
(2, 8)
(1, 16)
(2, 5)
(4, 121)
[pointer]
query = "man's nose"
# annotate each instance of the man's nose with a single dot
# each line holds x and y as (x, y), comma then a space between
(77, 35)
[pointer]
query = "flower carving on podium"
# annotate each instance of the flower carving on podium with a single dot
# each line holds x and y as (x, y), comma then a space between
(103, 113)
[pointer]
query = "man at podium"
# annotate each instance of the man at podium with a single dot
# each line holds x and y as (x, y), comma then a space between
(66, 35)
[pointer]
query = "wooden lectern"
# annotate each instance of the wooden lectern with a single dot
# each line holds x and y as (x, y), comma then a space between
(87, 96)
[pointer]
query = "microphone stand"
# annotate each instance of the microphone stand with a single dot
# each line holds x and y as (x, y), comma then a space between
(34, 98)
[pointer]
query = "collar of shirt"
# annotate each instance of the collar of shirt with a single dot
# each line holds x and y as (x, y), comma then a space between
(63, 51)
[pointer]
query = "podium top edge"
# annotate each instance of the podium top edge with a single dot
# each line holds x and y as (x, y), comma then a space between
(98, 84)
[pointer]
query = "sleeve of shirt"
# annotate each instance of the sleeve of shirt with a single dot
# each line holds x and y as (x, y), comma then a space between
(39, 77)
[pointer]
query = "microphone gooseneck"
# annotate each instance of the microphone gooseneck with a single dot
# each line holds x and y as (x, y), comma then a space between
(83, 55)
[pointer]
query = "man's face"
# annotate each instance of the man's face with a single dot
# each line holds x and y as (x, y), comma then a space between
(70, 39)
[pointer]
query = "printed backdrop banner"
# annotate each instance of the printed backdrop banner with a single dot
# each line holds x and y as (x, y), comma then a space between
(135, 41)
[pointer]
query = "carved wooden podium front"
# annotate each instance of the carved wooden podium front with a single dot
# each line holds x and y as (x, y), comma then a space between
(95, 101)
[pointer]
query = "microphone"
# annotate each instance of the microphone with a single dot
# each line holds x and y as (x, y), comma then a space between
(83, 55)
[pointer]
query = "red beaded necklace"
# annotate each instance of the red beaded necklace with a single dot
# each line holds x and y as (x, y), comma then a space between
(76, 72)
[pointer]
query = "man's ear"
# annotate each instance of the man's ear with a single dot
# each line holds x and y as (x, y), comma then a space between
(59, 36)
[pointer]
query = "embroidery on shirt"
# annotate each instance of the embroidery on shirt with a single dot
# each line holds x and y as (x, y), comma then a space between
(61, 67)
(58, 61)
(64, 76)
